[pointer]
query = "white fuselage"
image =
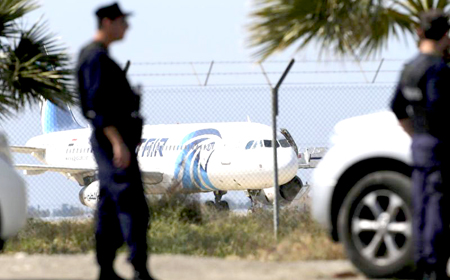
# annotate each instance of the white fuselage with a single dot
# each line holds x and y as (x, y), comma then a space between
(192, 157)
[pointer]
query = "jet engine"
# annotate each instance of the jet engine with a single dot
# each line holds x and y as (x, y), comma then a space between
(287, 193)
(89, 195)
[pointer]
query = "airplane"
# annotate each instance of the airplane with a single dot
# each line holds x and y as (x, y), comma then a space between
(185, 158)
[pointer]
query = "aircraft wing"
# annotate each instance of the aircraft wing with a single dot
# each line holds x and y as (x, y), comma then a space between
(148, 177)
(31, 169)
(28, 150)
(311, 157)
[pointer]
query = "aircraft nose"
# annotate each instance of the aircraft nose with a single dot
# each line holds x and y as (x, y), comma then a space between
(287, 165)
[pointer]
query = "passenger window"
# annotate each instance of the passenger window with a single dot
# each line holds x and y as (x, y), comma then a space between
(249, 145)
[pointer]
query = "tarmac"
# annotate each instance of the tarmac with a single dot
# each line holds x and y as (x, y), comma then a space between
(20, 266)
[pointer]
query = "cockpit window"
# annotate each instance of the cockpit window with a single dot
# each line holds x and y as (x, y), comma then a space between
(258, 144)
(268, 144)
(284, 143)
(249, 145)
(253, 144)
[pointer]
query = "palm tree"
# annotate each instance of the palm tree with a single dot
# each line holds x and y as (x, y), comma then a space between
(33, 64)
(355, 27)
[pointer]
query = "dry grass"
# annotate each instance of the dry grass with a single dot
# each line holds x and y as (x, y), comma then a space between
(185, 227)
(306, 241)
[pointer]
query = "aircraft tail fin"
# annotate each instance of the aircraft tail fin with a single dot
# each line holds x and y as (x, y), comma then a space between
(55, 119)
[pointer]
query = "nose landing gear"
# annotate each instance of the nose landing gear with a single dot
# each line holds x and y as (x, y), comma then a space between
(218, 203)
(251, 194)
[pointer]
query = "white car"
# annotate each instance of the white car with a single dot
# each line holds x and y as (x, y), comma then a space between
(361, 193)
(13, 198)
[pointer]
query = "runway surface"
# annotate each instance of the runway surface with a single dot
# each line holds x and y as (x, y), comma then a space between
(21, 266)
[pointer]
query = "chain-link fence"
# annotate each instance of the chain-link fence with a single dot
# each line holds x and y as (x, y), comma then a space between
(307, 112)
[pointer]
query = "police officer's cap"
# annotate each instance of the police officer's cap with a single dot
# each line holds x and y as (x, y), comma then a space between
(434, 24)
(112, 12)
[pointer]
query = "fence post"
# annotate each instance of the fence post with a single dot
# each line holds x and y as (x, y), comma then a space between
(209, 73)
(276, 205)
(378, 70)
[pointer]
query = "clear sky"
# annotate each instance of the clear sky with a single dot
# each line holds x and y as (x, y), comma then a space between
(191, 31)
(203, 31)
(159, 30)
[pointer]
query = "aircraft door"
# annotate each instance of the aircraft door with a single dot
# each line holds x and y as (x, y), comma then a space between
(290, 139)
(225, 155)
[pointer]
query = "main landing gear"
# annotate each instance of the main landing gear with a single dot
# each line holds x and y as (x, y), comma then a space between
(251, 194)
(218, 203)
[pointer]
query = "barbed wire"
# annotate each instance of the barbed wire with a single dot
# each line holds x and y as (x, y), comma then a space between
(264, 84)
(268, 73)
(143, 63)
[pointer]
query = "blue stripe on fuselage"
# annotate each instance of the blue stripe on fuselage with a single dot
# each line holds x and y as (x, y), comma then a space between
(186, 179)
(186, 156)
(197, 168)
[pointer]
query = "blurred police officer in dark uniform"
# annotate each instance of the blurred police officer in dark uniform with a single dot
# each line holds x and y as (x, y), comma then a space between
(112, 107)
(421, 104)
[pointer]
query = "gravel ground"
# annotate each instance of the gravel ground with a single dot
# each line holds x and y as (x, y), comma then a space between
(171, 267)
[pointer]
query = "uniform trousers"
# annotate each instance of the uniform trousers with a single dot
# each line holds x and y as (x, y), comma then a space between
(122, 212)
(430, 203)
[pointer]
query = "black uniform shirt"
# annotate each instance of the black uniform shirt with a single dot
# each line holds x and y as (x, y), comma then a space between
(106, 96)
(423, 95)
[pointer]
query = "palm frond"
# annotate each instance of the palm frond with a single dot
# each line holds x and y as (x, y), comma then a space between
(34, 68)
(442, 4)
(10, 11)
(415, 7)
(434, 4)
(382, 24)
(6, 106)
(279, 23)
(360, 28)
